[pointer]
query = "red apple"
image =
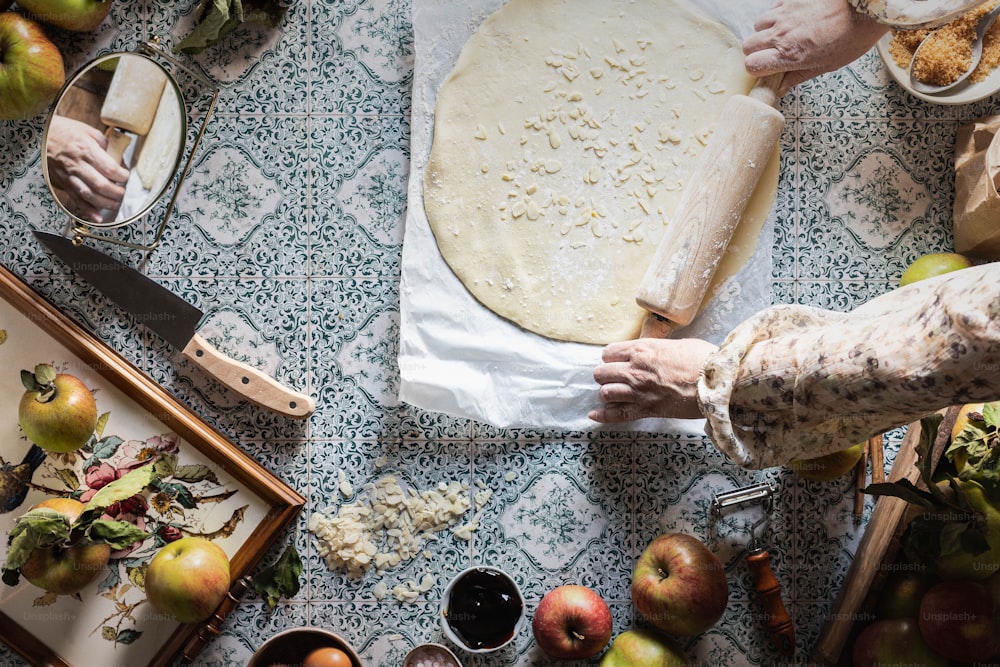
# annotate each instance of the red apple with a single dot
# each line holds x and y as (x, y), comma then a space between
(31, 68)
(77, 15)
(572, 623)
(65, 570)
(679, 585)
(643, 648)
(188, 579)
(57, 412)
(894, 641)
(957, 621)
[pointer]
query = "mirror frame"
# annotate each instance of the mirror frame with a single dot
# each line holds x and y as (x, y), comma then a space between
(82, 228)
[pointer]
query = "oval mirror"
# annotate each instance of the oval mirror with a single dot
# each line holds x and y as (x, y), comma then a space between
(114, 139)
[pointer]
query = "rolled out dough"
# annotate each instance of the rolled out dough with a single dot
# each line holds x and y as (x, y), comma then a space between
(562, 140)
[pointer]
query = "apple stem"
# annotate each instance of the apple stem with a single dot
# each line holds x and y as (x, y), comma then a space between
(663, 575)
(577, 635)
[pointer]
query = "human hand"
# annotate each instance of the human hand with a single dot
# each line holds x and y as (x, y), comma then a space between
(650, 377)
(806, 38)
(79, 165)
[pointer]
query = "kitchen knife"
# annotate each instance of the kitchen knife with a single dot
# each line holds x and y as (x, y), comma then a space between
(710, 208)
(176, 321)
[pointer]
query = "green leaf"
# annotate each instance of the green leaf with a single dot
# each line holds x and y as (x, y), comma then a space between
(220, 17)
(118, 534)
(979, 445)
(102, 421)
(127, 636)
(215, 17)
(104, 448)
(195, 473)
(28, 380)
(45, 374)
(41, 527)
(280, 579)
(121, 489)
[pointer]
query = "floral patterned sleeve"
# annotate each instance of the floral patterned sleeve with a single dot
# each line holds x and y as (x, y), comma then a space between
(798, 382)
(911, 14)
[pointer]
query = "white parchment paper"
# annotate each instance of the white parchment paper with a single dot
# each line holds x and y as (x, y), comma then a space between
(459, 358)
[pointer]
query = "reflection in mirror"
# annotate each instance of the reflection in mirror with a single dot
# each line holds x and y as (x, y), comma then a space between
(114, 140)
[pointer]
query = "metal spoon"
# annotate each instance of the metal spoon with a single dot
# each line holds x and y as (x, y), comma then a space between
(977, 52)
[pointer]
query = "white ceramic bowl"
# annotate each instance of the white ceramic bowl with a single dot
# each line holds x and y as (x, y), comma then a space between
(450, 633)
(441, 654)
(290, 647)
(962, 94)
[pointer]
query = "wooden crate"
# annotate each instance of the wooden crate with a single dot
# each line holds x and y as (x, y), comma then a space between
(878, 549)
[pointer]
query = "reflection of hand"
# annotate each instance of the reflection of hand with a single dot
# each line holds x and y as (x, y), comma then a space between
(806, 38)
(650, 377)
(79, 165)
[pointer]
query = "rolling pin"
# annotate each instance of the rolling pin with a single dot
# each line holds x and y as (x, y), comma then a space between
(131, 101)
(685, 262)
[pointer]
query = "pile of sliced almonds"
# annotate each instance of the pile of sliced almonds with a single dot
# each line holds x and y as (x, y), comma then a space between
(387, 525)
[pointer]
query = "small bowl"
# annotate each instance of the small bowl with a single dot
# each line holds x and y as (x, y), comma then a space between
(436, 651)
(482, 573)
(290, 647)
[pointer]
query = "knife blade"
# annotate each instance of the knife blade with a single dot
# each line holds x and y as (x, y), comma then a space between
(176, 321)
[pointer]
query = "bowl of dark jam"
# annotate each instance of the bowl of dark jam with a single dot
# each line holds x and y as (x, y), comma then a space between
(481, 609)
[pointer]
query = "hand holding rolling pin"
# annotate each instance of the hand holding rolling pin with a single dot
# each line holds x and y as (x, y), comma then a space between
(79, 165)
(805, 38)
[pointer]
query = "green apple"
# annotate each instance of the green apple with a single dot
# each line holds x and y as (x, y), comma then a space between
(66, 570)
(830, 466)
(188, 579)
(31, 68)
(76, 15)
(964, 565)
(901, 593)
(933, 264)
(57, 411)
(640, 647)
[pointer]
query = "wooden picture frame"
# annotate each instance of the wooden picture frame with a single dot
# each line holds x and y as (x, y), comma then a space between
(139, 408)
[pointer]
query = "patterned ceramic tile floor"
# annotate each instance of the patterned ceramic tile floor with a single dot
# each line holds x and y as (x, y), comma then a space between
(289, 233)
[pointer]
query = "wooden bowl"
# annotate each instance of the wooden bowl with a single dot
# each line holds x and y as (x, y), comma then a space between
(290, 647)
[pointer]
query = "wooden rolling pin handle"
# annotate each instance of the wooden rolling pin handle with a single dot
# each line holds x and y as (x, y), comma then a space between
(779, 623)
(656, 326)
(766, 89)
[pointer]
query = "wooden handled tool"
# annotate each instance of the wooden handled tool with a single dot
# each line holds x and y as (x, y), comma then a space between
(710, 208)
(779, 623)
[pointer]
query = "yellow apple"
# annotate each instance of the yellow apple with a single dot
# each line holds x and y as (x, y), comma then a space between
(830, 466)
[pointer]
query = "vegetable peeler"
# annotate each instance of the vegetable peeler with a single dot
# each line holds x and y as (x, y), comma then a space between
(779, 623)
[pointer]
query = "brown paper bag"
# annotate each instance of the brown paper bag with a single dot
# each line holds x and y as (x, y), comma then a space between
(977, 204)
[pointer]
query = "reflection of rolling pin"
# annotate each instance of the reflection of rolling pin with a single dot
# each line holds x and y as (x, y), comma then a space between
(131, 101)
(710, 208)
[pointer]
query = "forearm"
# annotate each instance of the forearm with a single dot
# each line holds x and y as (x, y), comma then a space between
(795, 382)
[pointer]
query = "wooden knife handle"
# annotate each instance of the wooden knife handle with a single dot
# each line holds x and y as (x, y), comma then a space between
(714, 198)
(252, 384)
(779, 623)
